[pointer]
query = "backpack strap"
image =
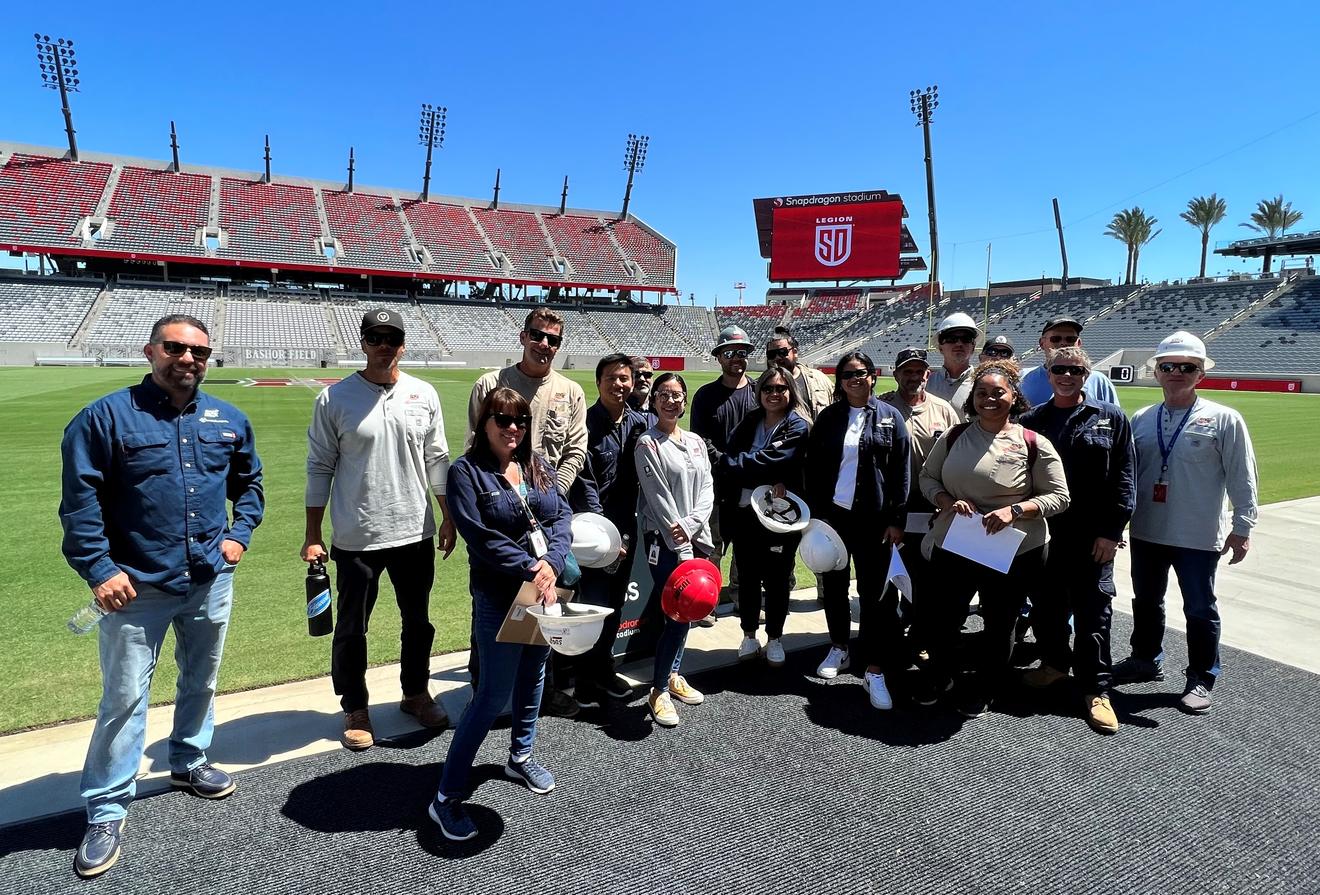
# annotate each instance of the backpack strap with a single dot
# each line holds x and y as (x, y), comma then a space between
(1028, 435)
(955, 433)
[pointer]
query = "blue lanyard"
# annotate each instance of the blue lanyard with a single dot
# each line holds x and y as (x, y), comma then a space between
(1159, 432)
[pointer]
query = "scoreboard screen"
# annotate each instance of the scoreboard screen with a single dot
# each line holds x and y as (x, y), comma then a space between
(835, 236)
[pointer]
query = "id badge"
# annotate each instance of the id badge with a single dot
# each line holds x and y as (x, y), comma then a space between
(653, 554)
(539, 547)
(1161, 492)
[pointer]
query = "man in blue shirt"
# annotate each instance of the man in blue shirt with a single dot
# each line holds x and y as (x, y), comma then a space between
(147, 472)
(1063, 332)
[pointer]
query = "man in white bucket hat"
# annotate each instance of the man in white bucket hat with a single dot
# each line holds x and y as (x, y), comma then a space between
(1196, 501)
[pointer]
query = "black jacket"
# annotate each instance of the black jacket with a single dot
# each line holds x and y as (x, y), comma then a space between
(607, 483)
(882, 462)
(780, 460)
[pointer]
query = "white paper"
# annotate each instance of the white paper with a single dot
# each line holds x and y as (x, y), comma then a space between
(898, 574)
(967, 537)
(918, 523)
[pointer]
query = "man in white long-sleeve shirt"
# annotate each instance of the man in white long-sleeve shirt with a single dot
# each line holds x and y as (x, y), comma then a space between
(376, 451)
(1196, 501)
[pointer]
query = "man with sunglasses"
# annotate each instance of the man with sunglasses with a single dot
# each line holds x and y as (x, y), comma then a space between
(813, 388)
(1094, 441)
(147, 473)
(997, 348)
(1063, 332)
(956, 338)
(643, 373)
(1196, 501)
(376, 452)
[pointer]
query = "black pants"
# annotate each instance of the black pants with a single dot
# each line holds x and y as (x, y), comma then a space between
(880, 631)
(1001, 602)
(921, 616)
(1076, 585)
(766, 559)
(602, 588)
(411, 568)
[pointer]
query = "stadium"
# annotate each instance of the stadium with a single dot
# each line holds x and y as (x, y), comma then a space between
(281, 269)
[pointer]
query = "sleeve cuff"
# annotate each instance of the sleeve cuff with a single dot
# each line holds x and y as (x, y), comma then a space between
(101, 571)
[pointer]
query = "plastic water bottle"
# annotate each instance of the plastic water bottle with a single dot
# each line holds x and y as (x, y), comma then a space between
(320, 620)
(87, 618)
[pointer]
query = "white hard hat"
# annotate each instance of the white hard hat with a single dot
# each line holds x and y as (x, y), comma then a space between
(957, 320)
(780, 514)
(1183, 344)
(822, 549)
(574, 630)
(596, 540)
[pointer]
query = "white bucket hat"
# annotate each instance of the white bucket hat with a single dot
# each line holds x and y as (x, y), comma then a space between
(572, 631)
(1184, 344)
(822, 549)
(596, 540)
(781, 515)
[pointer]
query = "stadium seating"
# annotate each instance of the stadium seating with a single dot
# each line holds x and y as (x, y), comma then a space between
(695, 326)
(586, 243)
(475, 327)
(160, 211)
(43, 199)
(42, 312)
(276, 324)
(369, 230)
(653, 255)
(639, 332)
(418, 336)
(271, 222)
(519, 236)
(449, 235)
(582, 338)
(1282, 337)
(757, 320)
(127, 315)
(1023, 323)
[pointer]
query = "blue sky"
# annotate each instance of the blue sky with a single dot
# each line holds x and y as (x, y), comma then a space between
(1102, 105)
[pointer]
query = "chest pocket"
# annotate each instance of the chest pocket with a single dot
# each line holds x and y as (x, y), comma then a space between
(147, 454)
(215, 448)
(1098, 439)
(1202, 444)
(882, 437)
(418, 423)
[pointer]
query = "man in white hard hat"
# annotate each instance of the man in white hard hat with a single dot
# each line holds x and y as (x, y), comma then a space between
(1196, 501)
(956, 337)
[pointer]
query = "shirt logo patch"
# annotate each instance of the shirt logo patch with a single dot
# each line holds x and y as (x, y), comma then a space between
(227, 435)
(211, 413)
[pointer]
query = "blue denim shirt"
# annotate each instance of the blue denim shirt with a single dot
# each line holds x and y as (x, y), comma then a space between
(145, 486)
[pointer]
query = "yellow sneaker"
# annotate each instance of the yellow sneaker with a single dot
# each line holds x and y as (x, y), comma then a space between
(684, 692)
(662, 708)
(1100, 714)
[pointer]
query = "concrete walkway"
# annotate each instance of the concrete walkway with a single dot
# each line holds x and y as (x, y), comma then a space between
(1269, 603)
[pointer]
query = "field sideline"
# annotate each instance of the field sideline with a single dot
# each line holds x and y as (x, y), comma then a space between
(50, 675)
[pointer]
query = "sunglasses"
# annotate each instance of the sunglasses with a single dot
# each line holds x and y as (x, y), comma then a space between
(1186, 368)
(505, 420)
(375, 337)
(845, 375)
(774, 389)
(731, 353)
(1063, 340)
(177, 349)
(1067, 370)
(960, 338)
(536, 335)
(998, 352)
(777, 352)
(643, 374)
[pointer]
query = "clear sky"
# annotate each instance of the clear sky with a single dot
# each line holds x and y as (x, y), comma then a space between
(1104, 105)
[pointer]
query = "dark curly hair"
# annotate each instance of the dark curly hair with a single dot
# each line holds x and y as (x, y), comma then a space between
(1012, 373)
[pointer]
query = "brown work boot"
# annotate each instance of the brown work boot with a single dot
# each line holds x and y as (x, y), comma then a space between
(426, 710)
(1100, 714)
(357, 731)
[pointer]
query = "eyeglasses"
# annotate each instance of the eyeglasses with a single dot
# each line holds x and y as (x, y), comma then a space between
(1068, 370)
(537, 335)
(774, 389)
(375, 337)
(1186, 368)
(505, 420)
(177, 349)
(731, 353)
(845, 375)
(671, 397)
(1063, 340)
(962, 338)
(777, 352)
(998, 352)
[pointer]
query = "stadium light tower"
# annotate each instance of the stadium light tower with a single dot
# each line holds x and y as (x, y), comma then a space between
(924, 103)
(59, 71)
(431, 134)
(634, 160)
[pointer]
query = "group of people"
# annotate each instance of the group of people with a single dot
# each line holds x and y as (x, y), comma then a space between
(148, 471)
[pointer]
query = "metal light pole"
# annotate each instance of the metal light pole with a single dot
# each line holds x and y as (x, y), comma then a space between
(59, 72)
(924, 103)
(431, 134)
(740, 286)
(634, 160)
(174, 147)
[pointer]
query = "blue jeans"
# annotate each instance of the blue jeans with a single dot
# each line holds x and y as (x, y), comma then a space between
(1196, 579)
(673, 636)
(130, 640)
(506, 668)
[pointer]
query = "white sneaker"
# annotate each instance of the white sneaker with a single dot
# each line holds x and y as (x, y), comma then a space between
(774, 652)
(749, 649)
(879, 693)
(835, 661)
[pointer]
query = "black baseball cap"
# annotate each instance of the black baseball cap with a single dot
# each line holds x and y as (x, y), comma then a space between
(1061, 321)
(999, 342)
(910, 354)
(382, 317)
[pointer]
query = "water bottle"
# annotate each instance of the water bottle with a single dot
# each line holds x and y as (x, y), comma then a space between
(320, 621)
(87, 618)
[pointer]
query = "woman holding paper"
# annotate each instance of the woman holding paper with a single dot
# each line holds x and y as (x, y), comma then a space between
(506, 507)
(993, 483)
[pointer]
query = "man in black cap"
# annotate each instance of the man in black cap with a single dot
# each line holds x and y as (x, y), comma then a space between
(1063, 332)
(997, 348)
(379, 437)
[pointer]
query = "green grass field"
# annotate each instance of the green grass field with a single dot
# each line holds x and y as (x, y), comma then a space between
(50, 675)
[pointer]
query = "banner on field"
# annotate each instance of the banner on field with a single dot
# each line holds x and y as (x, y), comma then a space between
(1226, 383)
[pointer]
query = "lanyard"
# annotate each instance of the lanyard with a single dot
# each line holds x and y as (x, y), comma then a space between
(521, 491)
(1159, 432)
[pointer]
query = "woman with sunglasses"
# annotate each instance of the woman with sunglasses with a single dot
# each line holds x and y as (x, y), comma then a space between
(674, 515)
(1003, 475)
(767, 448)
(857, 481)
(516, 526)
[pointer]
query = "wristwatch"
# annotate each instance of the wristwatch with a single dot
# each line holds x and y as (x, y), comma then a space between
(1016, 510)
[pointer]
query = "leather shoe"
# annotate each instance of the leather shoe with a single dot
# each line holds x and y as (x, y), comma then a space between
(206, 781)
(426, 710)
(357, 731)
(99, 849)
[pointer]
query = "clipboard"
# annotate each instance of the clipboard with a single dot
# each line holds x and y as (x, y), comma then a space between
(520, 626)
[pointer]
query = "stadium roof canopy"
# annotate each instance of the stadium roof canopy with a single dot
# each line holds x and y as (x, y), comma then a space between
(1274, 246)
(215, 221)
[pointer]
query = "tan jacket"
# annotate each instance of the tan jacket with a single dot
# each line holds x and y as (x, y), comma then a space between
(819, 389)
(559, 417)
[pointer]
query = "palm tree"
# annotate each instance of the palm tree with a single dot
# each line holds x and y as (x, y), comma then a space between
(1134, 228)
(1272, 217)
(1204, 212)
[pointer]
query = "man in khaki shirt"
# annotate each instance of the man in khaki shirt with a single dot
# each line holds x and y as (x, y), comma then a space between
(814, 389)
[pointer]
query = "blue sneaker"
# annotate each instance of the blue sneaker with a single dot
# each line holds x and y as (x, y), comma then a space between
(452, 818)
(99, 849)
(537, 778)
(205, 781)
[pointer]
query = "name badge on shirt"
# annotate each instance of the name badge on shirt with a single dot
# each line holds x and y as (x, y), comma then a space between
(539, 546)
(653, 554)
(1161, 494)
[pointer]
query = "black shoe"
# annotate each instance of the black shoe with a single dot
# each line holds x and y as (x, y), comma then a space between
(928, 690)
(99, 849)
(587, 695)
(558, 704)
(974, 707)
(205, 781)
(616, 686)
(1137, 671)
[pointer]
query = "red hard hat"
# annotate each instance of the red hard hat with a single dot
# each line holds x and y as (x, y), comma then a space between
(692, 590)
